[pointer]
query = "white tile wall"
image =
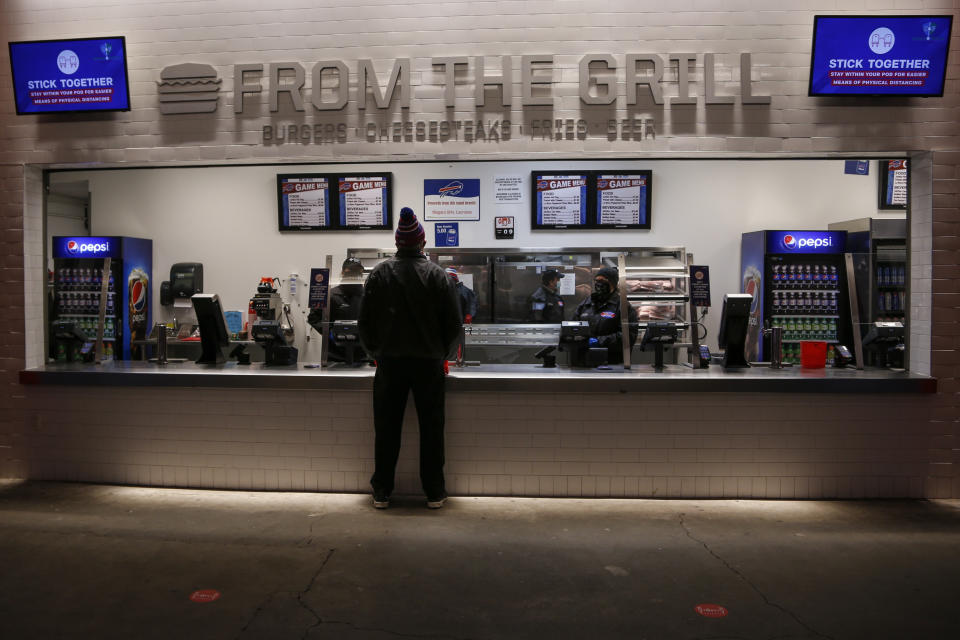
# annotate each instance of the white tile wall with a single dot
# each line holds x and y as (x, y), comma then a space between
(672, 445)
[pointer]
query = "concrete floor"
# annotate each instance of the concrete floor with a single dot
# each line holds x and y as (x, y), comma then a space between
(88, 561)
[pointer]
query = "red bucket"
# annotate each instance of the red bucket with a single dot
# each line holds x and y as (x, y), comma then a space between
(813, 354)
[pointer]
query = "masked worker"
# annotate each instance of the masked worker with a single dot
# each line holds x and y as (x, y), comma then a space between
(602, 311)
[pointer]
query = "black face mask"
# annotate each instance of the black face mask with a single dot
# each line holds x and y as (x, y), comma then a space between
(601, 289)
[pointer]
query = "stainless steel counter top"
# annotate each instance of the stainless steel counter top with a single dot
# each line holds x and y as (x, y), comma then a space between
(526, 378)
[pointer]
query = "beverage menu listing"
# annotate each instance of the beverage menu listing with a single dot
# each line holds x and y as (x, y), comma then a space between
(562, 200)
(621, 200)
(305, 202)
(363, 202)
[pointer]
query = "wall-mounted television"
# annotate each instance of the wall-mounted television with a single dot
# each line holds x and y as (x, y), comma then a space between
(596, 199)
(62, 76)
(879, 55)
(331, 201)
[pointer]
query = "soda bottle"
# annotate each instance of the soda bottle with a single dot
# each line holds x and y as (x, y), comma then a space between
(109, 304)
(902, 275)
(138, 308)
(831, 355)
(110, 282)
(775, 275)
(833, 275)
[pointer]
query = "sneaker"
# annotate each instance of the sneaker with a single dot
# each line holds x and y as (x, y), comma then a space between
(380, 501)
(436, 503)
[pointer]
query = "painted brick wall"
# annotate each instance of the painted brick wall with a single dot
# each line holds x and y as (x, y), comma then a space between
(223, 32)
(605, 445)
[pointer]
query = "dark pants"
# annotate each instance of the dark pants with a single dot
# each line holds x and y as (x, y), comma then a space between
(394, 380)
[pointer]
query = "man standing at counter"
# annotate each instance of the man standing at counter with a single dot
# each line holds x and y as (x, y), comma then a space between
(545, 305)
(602, 311)
(409, 322)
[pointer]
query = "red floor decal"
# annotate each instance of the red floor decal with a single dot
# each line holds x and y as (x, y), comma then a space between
(711, 610)
(205, 595)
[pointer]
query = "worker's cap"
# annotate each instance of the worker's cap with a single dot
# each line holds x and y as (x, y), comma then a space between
(352, 265)
(550, 274)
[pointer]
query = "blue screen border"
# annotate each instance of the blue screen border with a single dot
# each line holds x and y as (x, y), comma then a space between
(813, 53)
(126, 76)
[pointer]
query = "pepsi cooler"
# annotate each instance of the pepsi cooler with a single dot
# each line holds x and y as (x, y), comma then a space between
(798, 283)
(78, 279)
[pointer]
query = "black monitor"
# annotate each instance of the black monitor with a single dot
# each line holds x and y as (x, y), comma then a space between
(658, 334)
(213, 328)
(884, 332)
(734, 321)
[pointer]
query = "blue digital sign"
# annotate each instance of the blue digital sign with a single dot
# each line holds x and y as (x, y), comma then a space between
(83, 74)
(806, 241)
(879, 55)
(86, 247)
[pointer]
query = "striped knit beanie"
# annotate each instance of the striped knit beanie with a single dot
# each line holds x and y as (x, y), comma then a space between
(453, 274)
(409, 232)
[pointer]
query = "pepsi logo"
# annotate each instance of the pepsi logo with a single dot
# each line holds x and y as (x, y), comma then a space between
(75, 248)
(138, 296)
(789, 241)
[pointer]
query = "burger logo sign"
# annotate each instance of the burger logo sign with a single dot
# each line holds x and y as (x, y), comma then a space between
(188, 88)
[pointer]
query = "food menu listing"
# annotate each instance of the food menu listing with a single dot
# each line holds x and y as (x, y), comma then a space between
(363, 201)
(306, 202)
(562, 200)
(622, 200)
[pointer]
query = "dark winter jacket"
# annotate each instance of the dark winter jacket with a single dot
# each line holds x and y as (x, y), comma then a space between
(545, 306)
(604, 319)
(468, 301)
(410, 309)
(344, 305)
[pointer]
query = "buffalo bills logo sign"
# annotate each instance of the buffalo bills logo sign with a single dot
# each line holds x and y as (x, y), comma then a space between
(452, 189)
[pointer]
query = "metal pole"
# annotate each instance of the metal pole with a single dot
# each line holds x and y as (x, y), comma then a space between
(325, 338)
(624, 310)
(854, 310)
(102, 313)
